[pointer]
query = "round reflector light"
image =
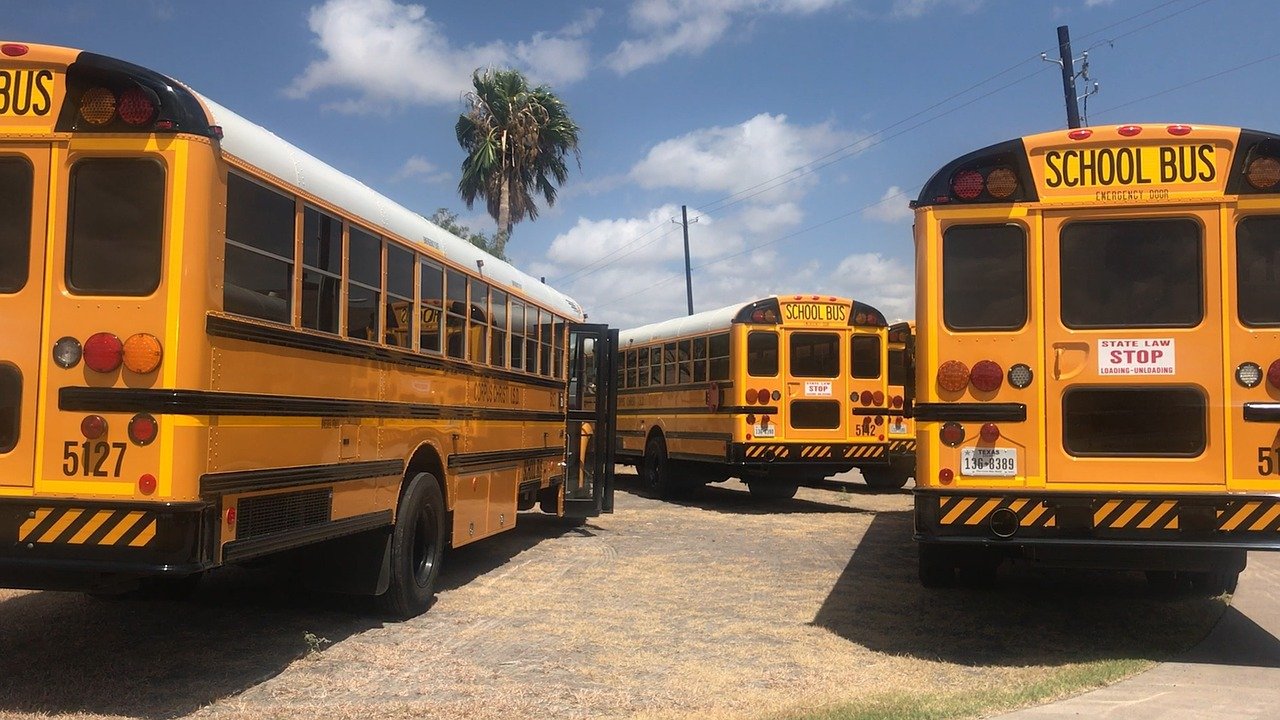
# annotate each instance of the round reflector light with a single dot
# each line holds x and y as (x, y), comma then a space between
(1263, 172)
(1002, 183)
(946, 476)
(143, 429)
(967, 184)
(136, 107)
(1273, 374)
(989, 432)
(952, 433)
(103, 352)
(953, 376)
(879, 419)
(751, 396)
(986, 376)
(776, 396)
(896, 401)
(93, 426)
(1249, 374)
(877, 398)
(751, 418)
(67, 352)
(147, 484)
(1020, 375)
(866, 397)
(98, 106)
(142, 353)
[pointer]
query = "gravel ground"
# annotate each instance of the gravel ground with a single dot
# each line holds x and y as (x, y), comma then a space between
(718, 606)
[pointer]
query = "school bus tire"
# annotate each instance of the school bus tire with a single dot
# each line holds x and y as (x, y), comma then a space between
(1213, 583)
(772, 489)
(657, 468)
(417, 548)
(937, 566)
(885, 477)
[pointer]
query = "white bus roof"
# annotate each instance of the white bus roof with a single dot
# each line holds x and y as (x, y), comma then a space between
(262, 149)
(707, 321)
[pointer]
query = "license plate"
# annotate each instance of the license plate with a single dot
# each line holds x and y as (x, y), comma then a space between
(765, 431)
(989, 462)
(897, 427)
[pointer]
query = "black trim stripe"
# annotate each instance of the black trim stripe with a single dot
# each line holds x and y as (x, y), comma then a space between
(882, 412)
(702, 385)
(975, 412)
(234, 328)
(245, 549)
(1261, 412)
(690, 435)
(630, 433)
(286, 477)
(206, 402)
(502, 457)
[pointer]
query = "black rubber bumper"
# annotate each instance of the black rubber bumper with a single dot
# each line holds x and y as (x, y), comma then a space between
(78, 545)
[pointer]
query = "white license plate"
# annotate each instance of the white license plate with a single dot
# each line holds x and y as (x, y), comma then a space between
(989, 462)
(765, 431)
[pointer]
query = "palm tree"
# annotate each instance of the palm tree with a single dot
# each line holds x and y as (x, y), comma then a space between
(517, 139)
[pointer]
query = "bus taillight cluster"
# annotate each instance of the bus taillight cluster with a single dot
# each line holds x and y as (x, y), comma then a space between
(999, 182)
(104, 353)
(986, 376)
(1249, 374)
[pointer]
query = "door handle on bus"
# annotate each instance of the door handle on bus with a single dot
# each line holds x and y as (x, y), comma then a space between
(1069, 359)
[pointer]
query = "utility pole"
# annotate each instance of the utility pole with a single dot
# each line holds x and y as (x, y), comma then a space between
(1068, 66)
(688, 273)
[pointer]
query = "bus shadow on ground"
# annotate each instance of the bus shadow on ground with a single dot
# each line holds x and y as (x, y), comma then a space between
(1030, 616)
(736, 500)
(66, 653)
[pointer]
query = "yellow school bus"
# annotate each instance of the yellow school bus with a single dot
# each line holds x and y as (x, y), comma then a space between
(218, 349)
(1097, 381)
(782, 391)
(901, 431)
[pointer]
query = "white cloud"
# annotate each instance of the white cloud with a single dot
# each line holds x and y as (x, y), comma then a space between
(893, 207)
(419, 167)
(729, 159)
(393, 54)
(689, 27)
(886, 283)
(653, 239)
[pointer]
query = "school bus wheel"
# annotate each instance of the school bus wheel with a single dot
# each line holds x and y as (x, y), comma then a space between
(417, 546)
(887, 477)
(657, 470)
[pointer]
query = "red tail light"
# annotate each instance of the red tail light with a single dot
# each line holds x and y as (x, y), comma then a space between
(946, 475)
(762, 396)
(147, 484)
(1273, 374)
(990, 432)
(143, 429)
(751, 396)
(103, 352)
(877, 398)
(953, 376)
(136, 107)
(986, 376)
(967, 184)
(865, 398)
(93, 426)
(952, 433)
(896, 402)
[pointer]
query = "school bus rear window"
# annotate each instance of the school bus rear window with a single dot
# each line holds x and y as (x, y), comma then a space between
(984, 277)
(10, 406)
(1131, 274)
(864, 356)
(815, 355)
(1258, 270)
(762, 353)
(1134, 422)
(15, 223)
(115, 234)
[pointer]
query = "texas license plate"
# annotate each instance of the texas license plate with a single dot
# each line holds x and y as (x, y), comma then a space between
(989, 462)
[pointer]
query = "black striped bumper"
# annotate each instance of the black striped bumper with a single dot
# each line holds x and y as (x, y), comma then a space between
(1028, 518)
(67, 544)
(902, 448)
(834, 454)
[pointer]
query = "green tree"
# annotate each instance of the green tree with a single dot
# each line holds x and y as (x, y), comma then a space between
(517, 139)
(447, 219)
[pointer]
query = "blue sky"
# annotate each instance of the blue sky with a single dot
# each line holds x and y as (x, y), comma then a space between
(794, 130)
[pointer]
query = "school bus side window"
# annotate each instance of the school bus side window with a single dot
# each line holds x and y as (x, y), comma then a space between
(531, 339)
(364, 283)
(498, 318)
(16, 187)
(399, 314)
(762, 353)
(984, 277)
(685, 353)
(1132, 273)
(700, 359)
(517, 334)
(321, 270)
(719, 357)
(258, 279)
(431, 287)
(1258, 270)
(455, 331)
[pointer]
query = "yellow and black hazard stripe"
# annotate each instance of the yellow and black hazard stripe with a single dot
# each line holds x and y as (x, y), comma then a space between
(902, 446)
(1256, 515)
(863, 452)
(815, 452)
(959, 511)
(1250, 516)
(761, 452)
(80, 526)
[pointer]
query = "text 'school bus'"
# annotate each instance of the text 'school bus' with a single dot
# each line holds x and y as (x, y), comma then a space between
(902, 429)
(219, 348)
(1098, 353)
(779, 392)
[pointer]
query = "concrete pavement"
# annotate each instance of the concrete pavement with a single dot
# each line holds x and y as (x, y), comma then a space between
(1233, 674)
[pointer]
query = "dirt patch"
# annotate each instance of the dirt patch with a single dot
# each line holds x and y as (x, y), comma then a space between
(720, 606)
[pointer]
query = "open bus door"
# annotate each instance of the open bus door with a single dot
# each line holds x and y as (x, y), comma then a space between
(591, 412)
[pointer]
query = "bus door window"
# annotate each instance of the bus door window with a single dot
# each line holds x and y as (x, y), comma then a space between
(399, 316)
(431, 290)
(1258, 271)
(364, 283)
(582, 376)
(984, 277)
(478, 332)
(455, 319)
(321, 270)
(116, 225)
(700, 359)
(762, 353)
(815, 355)
(16, 190)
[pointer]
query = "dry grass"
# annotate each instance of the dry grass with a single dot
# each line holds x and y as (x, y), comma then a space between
(718, 607)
